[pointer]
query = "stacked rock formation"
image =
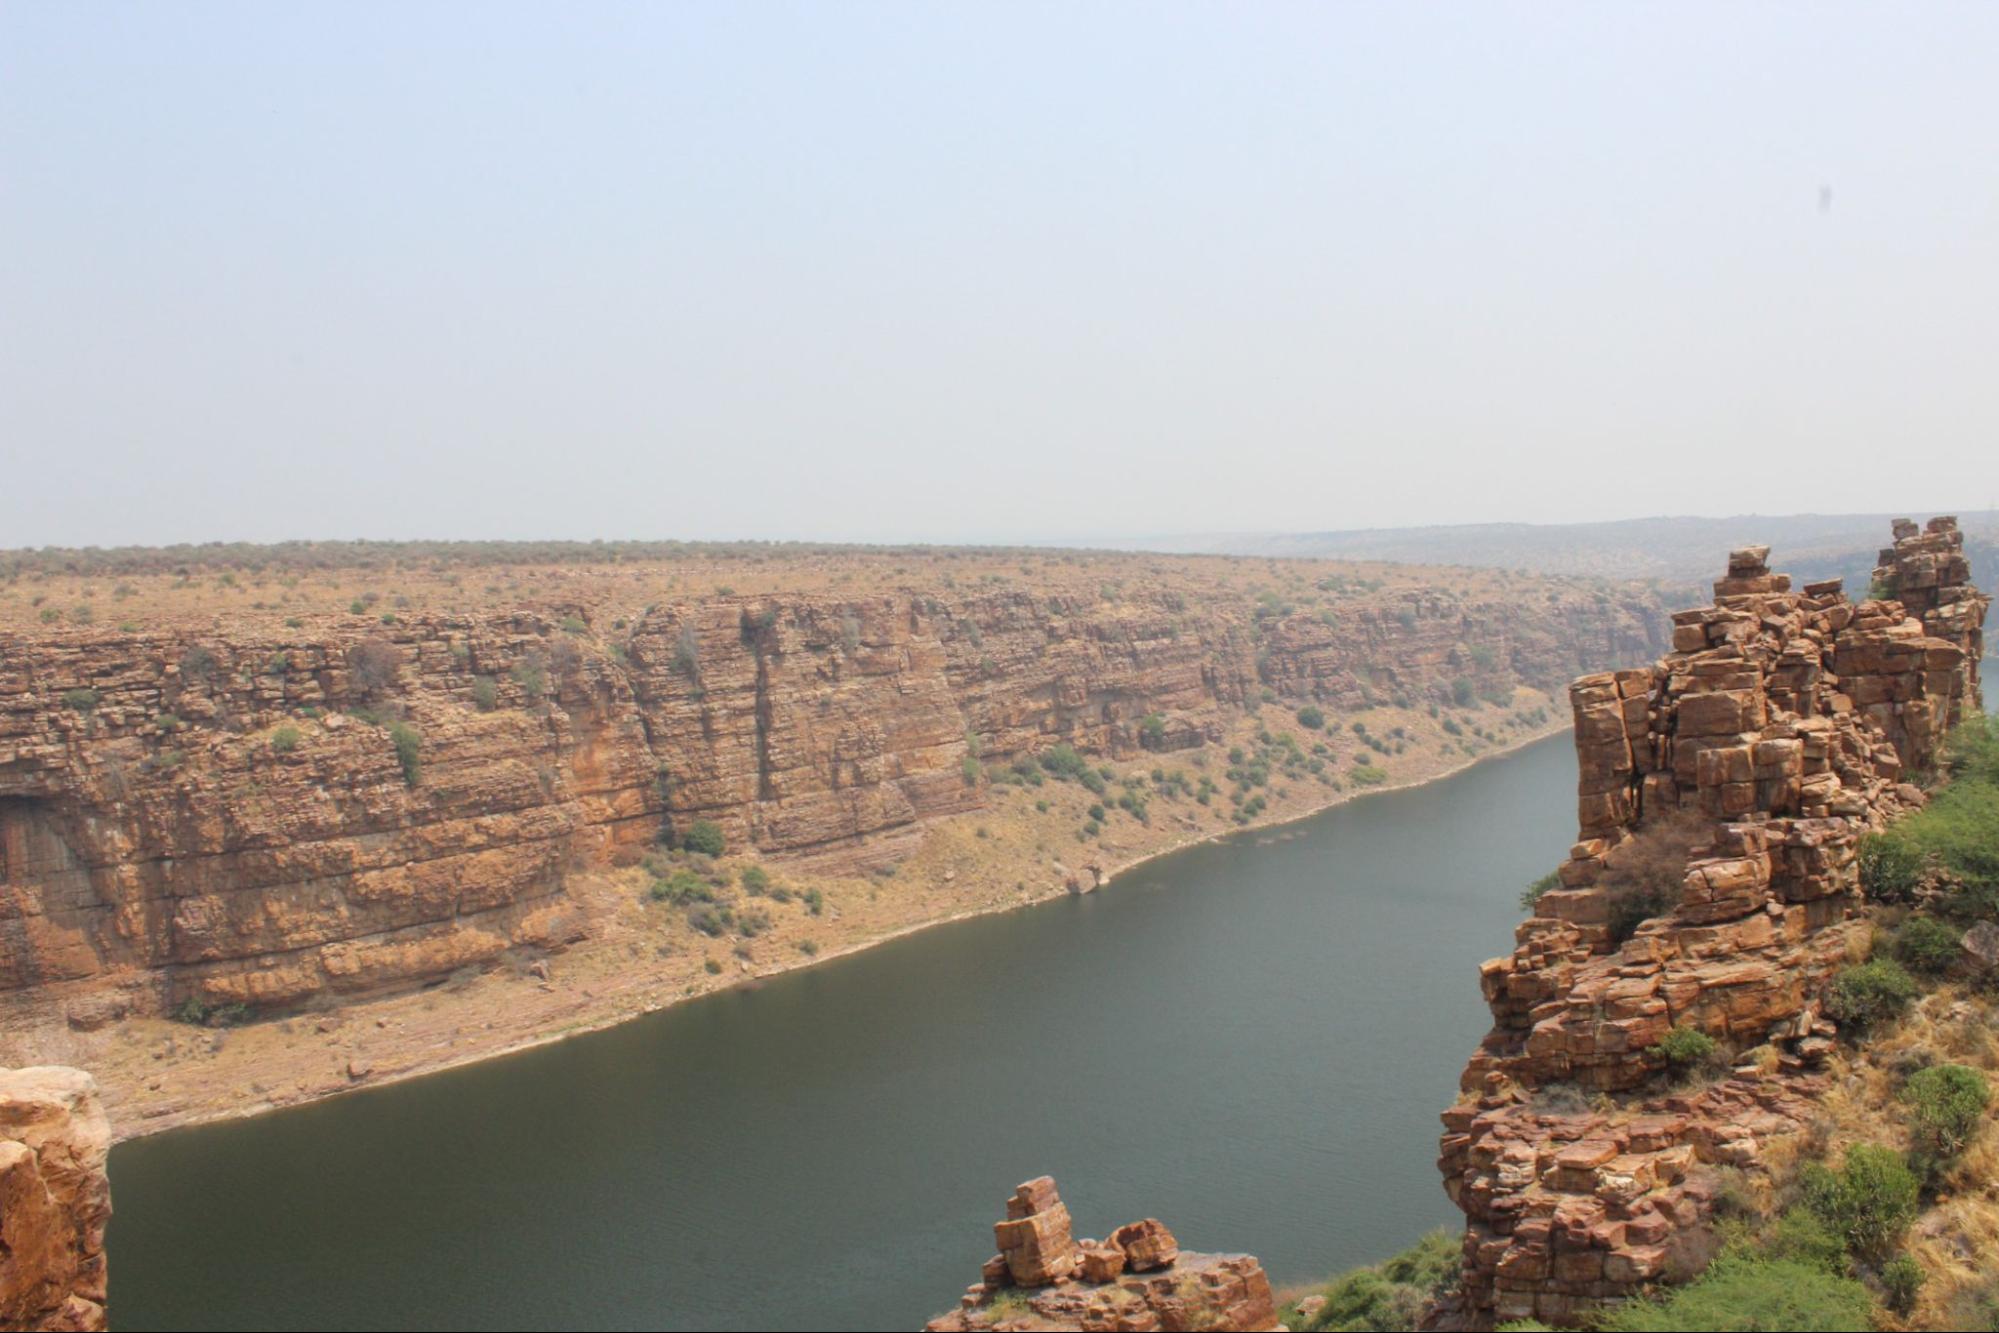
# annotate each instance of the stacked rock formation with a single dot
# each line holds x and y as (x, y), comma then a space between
(1723, 794)
(1136, 1279)
(159, 842)
(54, 1200)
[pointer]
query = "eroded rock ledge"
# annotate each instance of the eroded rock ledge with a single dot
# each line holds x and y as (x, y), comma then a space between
(1137, 1278)
(1750, 760)
(54, 1199)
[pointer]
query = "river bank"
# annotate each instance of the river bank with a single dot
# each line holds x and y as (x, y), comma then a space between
(158, 1075)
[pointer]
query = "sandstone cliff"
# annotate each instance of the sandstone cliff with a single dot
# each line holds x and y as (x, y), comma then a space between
(219, 811)
(1741, 771)
(54, 1200)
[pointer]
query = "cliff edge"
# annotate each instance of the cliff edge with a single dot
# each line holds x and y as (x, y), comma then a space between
(1714, 890)
(54, 1199)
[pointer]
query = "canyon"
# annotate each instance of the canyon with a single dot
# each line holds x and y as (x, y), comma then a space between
(206, 814)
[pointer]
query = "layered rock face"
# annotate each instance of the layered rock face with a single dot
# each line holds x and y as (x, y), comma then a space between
(227, 817)
(1722, 797)
(1138, 1278)
(54, 1200)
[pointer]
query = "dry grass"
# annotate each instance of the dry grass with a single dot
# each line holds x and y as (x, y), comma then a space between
(1956, 1239)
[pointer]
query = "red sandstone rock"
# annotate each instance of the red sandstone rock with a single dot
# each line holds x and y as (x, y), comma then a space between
(1147, 1244)
(1034, 1239)
(1164, 1287)
(1786, 719)
(54, 1200)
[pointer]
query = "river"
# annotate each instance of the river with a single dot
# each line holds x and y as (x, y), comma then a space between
(1250, 1040)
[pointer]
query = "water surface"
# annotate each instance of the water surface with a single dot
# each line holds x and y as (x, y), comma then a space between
(1250, 1040)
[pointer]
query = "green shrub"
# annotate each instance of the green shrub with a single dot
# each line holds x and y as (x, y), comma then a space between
(1388, 1295)
(485, 693)
(1063, 761)
(1861, 997)
(755, 879)
(704, 836)
(1901, 1278)
(1462, 692)
(970, 768)
(1684, 1047)
(1367, 775)
(1530, 896)
(1946, 1106)
(1926, 945)
(682, 886)
(407, 742)
(531, 674)
(1889, 867)
(1870, 1201)
(1311, 718)
(1802, 1236)
(285, 739)
(1152, 731)
(1746, 1291)
(80, 701)
(708, 919)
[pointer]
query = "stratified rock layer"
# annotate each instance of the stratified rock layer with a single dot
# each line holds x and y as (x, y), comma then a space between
(1137, 1279)
(54, 1200)
(1742, 771)
(225, 817)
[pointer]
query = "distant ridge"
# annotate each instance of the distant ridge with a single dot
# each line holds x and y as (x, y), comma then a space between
(1672, 550)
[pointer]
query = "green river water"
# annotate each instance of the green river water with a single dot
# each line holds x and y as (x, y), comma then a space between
(1250, 1040)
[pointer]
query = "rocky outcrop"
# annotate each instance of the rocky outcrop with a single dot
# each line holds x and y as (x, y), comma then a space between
(334, 806)
(1136, 1279)
(1714, 887)
(54, 1200)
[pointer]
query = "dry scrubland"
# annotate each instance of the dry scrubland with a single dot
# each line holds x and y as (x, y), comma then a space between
(311, 817)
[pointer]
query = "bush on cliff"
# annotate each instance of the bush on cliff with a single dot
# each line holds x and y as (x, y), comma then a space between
(1530, 897)
(408, 744)
(1684, 1048)
(1926, 945)
(1389, 1295)
(705, 836)
(1946, 1107)
(1956, 833)
(1869, 1201)
(1742, 1290)
(1872, 993)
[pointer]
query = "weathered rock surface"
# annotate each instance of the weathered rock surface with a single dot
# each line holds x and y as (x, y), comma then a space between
(1137, 1279)
(163, 838)
(54, 1200)
(1744, 767)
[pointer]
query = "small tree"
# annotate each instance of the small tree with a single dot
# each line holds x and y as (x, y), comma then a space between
(1946, 1106)
(1870, 1201)
(705, 836)
(1311, 718)
(1861, 997)
(373, 663)
(407, 742)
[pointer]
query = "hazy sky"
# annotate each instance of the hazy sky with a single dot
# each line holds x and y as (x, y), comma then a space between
(944, 272)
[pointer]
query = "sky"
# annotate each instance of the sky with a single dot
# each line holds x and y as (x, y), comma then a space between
(952, 272)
